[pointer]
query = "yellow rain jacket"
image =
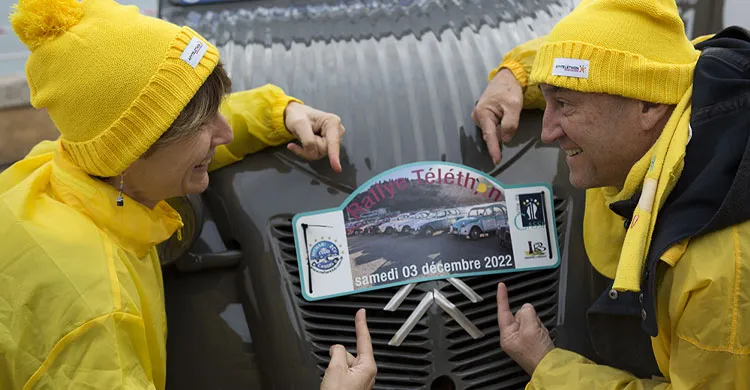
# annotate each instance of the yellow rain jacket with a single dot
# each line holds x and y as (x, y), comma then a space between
(81, 294)
(702, 298)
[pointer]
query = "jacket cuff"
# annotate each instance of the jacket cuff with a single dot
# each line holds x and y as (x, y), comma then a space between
(279, 132)
(550, 364)
(514, 67)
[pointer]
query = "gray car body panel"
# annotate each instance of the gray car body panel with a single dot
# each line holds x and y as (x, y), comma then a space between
(404, 77)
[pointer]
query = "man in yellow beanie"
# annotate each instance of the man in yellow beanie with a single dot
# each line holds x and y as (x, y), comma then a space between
(655, 128)
(140, 104)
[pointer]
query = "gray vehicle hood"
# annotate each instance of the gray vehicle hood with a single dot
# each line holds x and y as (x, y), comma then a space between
(403, 76)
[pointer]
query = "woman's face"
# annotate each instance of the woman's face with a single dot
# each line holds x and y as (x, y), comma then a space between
(178, 168)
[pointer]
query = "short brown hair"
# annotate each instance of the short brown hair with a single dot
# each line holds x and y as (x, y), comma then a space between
(203, 107)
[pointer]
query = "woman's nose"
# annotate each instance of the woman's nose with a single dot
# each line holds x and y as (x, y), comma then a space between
(223, 132)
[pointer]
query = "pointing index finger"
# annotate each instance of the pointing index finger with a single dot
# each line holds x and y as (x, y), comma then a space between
(333, 133)
(488, 123)
(364, 342)
(504, 316)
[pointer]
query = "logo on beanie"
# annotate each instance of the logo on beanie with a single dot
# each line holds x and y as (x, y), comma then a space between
(571, 67)
(194, 52)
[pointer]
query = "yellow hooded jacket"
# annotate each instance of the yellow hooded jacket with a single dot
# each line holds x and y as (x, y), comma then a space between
(702, 299)
(81, 294)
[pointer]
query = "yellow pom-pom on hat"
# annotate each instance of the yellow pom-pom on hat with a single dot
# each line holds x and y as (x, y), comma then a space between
(36, 21)
(632, 48)
(113, 80)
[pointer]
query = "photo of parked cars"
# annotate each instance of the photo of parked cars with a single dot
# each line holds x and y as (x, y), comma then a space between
(468, 222)
(427, 236)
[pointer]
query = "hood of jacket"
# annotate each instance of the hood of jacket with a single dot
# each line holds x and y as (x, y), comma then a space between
(47, 170)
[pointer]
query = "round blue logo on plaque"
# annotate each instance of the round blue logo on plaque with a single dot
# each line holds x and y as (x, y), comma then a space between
(325, 257)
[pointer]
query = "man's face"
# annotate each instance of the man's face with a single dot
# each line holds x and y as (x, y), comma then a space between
(600, 134)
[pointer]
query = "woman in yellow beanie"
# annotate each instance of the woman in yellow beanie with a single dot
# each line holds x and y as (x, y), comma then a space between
(140, 104)
(656, 129)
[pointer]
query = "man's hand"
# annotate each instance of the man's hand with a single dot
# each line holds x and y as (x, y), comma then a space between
(498, 111)
(346, 372)
(319, 132)
(523, 337)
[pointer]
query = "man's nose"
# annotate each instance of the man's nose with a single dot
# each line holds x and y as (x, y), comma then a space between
(551, 128)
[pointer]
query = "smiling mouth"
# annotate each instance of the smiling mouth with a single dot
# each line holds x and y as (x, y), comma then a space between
(205, 162)
(573, 152)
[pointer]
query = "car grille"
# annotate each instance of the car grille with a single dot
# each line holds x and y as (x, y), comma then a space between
(437, 346)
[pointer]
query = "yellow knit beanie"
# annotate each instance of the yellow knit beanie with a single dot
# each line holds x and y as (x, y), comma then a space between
(632, 48)
(112, 79)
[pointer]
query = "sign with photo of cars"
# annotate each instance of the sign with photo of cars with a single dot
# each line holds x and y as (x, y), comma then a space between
(424, 221)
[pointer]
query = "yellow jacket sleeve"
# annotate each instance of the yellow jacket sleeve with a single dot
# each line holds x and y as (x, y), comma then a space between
(107, 352)
(562, 369)
(520, 61)
(690, 367)
(257, 120)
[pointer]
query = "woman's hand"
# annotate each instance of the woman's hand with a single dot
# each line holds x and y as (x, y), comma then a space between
(319, 133)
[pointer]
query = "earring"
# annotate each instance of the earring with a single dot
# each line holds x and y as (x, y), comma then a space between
(120, 200)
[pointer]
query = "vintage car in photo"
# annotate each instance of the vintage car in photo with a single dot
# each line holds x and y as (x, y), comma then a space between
(437, 222)
(394, 225)
(405, 226)
(354, 228)
(480, 221)
(372, 227)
